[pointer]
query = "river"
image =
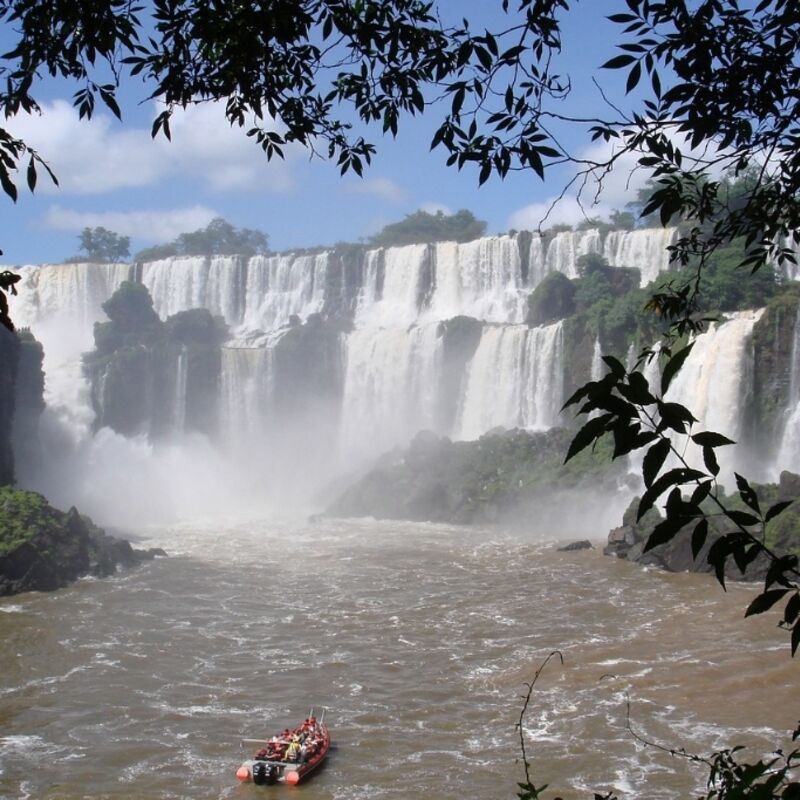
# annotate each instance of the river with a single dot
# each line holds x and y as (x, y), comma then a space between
(417, 639)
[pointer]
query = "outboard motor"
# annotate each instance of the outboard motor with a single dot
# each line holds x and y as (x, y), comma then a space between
(272, 774)
(259, 773)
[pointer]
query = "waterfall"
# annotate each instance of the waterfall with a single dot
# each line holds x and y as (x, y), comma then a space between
(480, 279)
(179, 392)
(395, 374)
(391, 378)
(246, 388)
(789, 454)
(283, 286)
(60, 303)
(597, 360)
(516, 379)
(398, 303)
(183, 282)
(645, 249)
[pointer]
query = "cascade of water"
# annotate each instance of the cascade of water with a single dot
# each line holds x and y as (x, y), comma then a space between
(279, 287)
(398, 305)
(537, 262)
(713, 384)
(515, 379)
(246, 387)
(597, 360)
(710, 384)
(391, 379)
(74, 293)
(645, 249)
(60, 302)
(177, 284)
(567, 247)
(480, 279)
(179, 393)
(789, 454)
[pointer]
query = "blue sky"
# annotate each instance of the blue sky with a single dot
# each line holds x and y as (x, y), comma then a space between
(114, 174)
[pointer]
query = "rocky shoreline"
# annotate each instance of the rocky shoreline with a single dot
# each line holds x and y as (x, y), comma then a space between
(43, 548)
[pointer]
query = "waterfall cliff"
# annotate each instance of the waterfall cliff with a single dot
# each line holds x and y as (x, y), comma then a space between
(336, 356)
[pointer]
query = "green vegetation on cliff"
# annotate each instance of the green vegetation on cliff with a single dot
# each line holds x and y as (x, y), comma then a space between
(439, 480)
(42, 548)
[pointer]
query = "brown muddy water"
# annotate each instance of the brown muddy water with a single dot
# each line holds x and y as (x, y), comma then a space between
(418, 639)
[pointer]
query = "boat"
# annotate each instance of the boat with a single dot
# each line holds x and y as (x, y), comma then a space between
(287, 757)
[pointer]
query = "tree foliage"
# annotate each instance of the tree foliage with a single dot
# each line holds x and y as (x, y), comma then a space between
(218, 238)
(103, 246)
(424, 227)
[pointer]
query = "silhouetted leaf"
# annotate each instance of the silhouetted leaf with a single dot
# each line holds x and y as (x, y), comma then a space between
(654, 460)
(792, 610)
(746, 492)
(664, 532)
(711, 439)
(699, 535)
(710, 460)
(764, 601)
(673, 365)
(776, 509)
(674, 477)
(591, 431)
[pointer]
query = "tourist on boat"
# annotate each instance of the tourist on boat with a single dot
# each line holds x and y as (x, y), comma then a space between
(293, 749)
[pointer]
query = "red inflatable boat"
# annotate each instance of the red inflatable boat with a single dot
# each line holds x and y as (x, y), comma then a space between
(288, 756)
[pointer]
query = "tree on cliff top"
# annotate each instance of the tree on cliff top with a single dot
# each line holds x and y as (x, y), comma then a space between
(103, 246)
(218, 238)
(424, 227)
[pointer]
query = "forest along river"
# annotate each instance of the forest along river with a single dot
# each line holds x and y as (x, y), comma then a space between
(417, 638)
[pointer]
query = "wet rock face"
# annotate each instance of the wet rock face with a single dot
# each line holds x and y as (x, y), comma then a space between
(43, 549)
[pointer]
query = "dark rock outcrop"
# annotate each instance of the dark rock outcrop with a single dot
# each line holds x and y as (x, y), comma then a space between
(628, 541)
(42, 548)
(149, 376)
(582, 544)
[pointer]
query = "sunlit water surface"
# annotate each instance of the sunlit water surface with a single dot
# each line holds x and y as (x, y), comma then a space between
(417, 638)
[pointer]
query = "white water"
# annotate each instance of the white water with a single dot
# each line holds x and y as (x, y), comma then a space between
(391, 372)
(514, 380)
(789, 455)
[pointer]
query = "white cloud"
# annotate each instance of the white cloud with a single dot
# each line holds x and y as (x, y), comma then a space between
(384, 188)
(101, 155)
(593, 197)
(149, 226)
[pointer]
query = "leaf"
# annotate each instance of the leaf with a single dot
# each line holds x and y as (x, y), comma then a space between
(742, 517)
(710, 460)
(773, 511)
(746, 492)
(711, 439)
(699, 535)
(674, 477)
(792, 610)
(591, 431)
(633, 77)
(764, 601)
(664, 532)
(619, 61)
(673, 365)
(615, 366)
(654, 460)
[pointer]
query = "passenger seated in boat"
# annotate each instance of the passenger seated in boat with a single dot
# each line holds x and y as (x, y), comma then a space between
(293, 749)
